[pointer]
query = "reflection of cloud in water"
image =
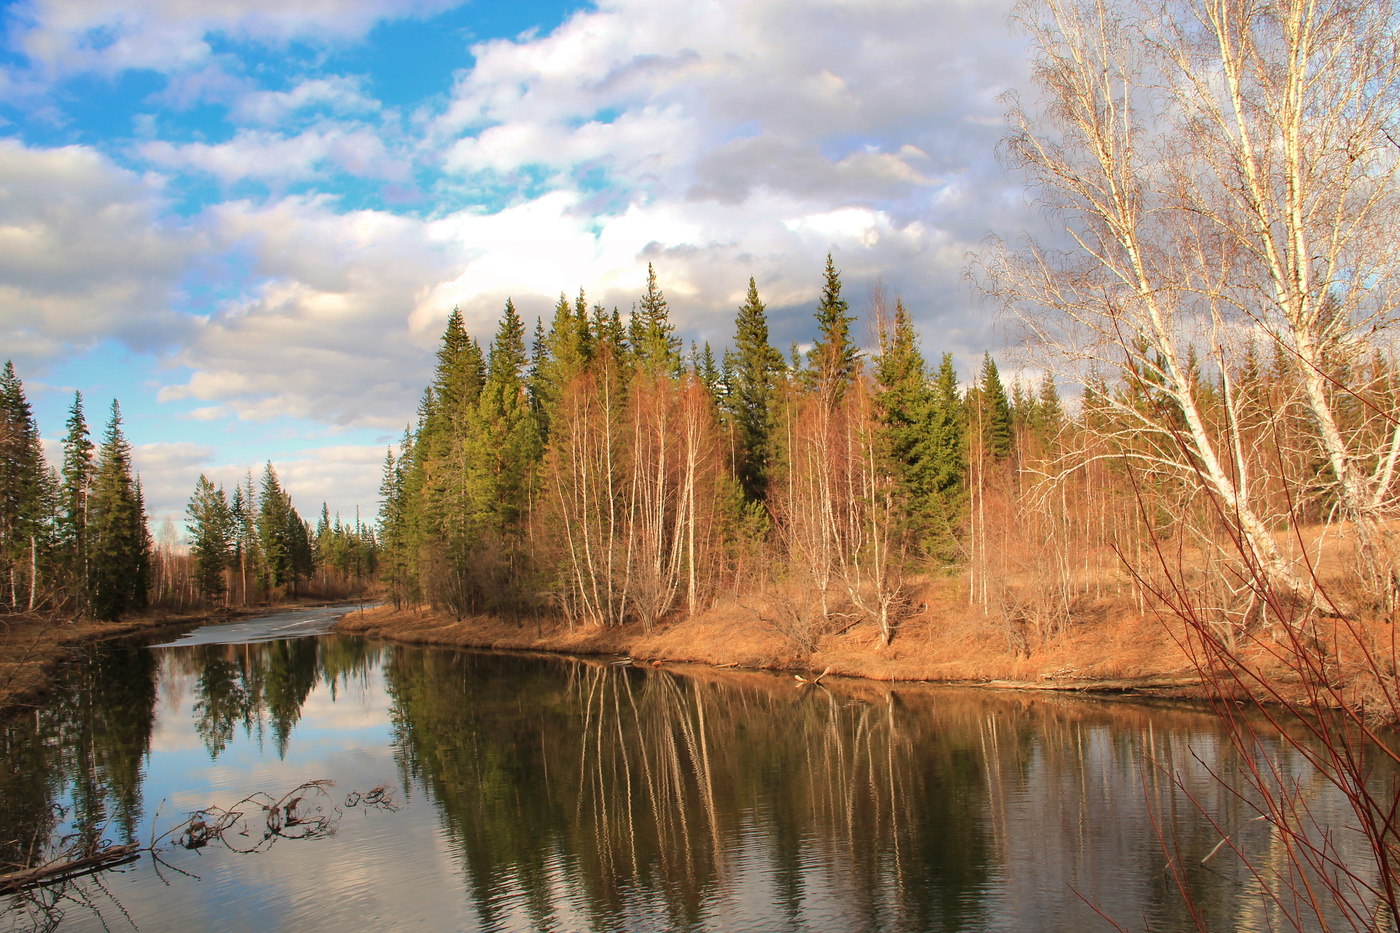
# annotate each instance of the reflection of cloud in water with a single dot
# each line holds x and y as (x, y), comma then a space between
(579, 795)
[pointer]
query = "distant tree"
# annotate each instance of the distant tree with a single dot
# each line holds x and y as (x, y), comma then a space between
(274, 523)
(24, 493)
(833, 360)
(652, 335)
(118, 542)
(994, 414)
(757, 368)
(211, 525)
(74, 490)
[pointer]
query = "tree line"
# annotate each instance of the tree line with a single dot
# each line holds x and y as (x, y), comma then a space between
(75, 539)
(613, 477)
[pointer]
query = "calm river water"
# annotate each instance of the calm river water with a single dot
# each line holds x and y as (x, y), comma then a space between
(553, 794)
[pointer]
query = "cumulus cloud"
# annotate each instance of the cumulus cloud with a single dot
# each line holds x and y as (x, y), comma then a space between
(273, 157)
(86, 252)
(324, 333)
(172, 35)
(716, 140)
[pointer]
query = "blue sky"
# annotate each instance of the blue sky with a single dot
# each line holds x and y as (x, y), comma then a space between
(249, 221)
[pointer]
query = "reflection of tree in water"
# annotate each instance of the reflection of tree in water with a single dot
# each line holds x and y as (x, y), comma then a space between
(262, 687)
(78, 760)
(638, 792)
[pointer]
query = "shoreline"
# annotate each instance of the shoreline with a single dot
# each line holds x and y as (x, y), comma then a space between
(942, 645)
(35, 647)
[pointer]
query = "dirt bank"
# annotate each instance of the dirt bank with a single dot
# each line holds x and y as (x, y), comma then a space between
(1109, 647)
(35, 645)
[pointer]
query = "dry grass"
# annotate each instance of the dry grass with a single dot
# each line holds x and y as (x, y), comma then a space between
(1109, 644)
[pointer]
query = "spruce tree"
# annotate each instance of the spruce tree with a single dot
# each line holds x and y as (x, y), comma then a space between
(74, 489)
(833, 359)
(995, 412)
(211, 529)
(757, 368)
(273, 522)
(901, 390)
(509, 443)
(117, 538)
(942, 462)
(24, 492)
(654, 344)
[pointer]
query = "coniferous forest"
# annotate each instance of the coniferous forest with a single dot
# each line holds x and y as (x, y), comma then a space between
(76, 539)
(606, 472)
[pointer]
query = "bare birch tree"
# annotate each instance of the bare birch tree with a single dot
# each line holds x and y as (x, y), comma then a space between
(1224, 171)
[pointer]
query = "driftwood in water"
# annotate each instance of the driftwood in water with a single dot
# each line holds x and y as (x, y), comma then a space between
(63, 869)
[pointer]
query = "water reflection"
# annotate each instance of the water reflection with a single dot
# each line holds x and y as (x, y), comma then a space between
(558, 795)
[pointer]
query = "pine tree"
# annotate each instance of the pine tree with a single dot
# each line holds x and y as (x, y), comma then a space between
(24, 491)
(654, 344)
(211, 527)
(901, 389)
(75, 487)
(757, 369)
(832, 361)
(995, 412)
(273, 522)
(119, 564)
(509, 445)
(945, 456)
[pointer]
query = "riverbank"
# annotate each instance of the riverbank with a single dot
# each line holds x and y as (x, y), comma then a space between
(35, 645)
(1110, 647)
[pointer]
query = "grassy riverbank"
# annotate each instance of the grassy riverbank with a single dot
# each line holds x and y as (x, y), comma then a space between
(1110, 646)
(35, 645)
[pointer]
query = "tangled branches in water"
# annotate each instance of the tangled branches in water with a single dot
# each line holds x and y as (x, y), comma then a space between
(307, 811)
(69, 872)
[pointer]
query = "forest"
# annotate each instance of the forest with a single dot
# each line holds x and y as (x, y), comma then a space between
(75, 539)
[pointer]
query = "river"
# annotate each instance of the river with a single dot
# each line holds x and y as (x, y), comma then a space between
(541, 793)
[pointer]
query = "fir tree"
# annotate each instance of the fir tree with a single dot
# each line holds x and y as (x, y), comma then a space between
(273, 522)
(994, 414)
(901, 389)
(24, 491)
(118, 558)
(654, 344)
(833, 359)
(941, 465)
(757, 369)
(211, 526)
(74, 489)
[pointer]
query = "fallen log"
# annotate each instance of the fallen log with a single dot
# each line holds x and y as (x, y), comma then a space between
(60, 869)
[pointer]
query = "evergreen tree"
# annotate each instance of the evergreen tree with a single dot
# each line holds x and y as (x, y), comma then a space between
(994, 414)
(118, 542)
(274, 529)
(509, 445)
(24, 493)
(75, 487)
(757, 369)
(833, 359)
(211, 528)
(943, 461)
(654, 344)
(901, 389)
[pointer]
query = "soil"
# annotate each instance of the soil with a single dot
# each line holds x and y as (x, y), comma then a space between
(1109, 647)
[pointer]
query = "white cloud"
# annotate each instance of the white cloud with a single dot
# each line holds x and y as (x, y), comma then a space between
(172, 35)
(85, 252)
(337, 93)
(273, 157)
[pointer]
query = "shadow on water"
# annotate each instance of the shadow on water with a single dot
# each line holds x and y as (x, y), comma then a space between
(576, 794)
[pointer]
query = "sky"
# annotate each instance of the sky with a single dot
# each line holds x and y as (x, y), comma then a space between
(249, 221)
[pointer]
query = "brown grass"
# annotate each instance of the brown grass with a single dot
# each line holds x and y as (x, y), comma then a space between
(1109, 646)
